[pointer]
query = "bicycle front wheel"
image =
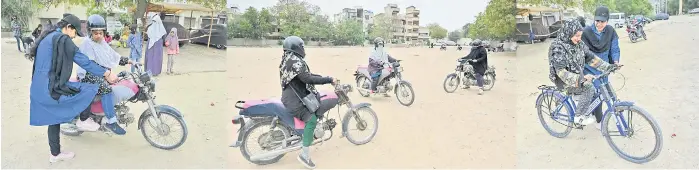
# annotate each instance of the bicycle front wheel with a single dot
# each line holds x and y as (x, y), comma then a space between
(624, 118)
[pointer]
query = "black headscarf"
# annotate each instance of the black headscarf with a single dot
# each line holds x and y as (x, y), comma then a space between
(291, 66)
(603, 43)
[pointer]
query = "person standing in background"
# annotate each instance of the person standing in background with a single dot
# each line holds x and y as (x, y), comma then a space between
(173, 48)
(135, 42)
(154, 53)
(17, 33)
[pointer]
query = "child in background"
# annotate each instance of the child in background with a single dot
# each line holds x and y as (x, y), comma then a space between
(135, 42)
(173, 48)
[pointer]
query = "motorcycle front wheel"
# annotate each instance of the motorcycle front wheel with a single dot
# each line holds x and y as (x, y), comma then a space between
(362, 124)
(451, 83)
(164, 130)
(405, 89)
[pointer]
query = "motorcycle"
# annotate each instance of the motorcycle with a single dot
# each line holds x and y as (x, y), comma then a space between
(443, 48)
(459, 48)
(283, 133)
(143, 86)
(464, 74)
(388, 81)
(635, 32)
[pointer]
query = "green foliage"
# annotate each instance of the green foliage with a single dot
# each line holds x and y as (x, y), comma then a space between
(293, 15)
(497, 22)
(126, 18)
(348, 32)
(454, 36)
(24, 10)
(436, 31)
(634, 7)
(382, 27)
(591, 5)
(464, 30)
(234, 30)
(250, 24)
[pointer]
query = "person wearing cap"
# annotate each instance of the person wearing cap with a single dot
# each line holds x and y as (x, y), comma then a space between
(603, 41)
(53, 99)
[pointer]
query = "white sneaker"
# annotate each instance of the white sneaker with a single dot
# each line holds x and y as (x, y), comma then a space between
(480, 91)
(598, 126)
(87, 125)
(62, 157)
(585, 120)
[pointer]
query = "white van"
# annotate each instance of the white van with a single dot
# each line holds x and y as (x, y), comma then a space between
(618, 20)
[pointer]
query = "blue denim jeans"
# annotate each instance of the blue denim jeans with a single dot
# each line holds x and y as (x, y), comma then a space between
(19, 41)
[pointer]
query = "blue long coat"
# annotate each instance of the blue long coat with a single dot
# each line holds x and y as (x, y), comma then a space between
(44, 110)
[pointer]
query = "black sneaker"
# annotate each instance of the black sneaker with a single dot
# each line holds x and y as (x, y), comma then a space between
(306, 162)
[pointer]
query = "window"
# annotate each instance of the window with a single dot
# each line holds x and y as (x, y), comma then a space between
(614, 16)
(190, 22)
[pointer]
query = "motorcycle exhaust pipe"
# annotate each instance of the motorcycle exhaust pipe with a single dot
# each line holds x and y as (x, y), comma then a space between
(258, 157)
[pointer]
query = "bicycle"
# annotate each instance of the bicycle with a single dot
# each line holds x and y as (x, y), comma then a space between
(604, 95)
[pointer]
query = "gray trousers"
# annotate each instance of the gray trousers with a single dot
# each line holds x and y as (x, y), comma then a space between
(170, 62)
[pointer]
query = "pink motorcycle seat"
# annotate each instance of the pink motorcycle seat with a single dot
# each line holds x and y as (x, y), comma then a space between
(96, 105)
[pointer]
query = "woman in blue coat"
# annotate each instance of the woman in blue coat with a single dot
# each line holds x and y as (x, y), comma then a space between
(602, 40)
(53, 99)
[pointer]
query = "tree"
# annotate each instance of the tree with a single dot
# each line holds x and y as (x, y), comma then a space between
(234, 29)
(20, 8)
(496, 22)
(382, 27)
(454, 36)
(249, 24)
(673, 6)
(464, 30)
(293, 15)
(266, 19)
(436, 31)
(348, 32)
(634, 7)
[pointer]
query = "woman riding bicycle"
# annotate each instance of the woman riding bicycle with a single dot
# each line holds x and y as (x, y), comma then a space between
(297, 83)
(567, 57)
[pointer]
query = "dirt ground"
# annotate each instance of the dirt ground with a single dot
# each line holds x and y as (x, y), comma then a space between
(660, 77)
(439, 130)
(200, 84)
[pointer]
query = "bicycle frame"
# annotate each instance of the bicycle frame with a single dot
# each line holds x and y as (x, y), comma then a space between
(603, 94)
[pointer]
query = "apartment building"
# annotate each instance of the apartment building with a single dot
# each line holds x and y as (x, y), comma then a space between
(357, 13)
(406, 27)
(412, 24)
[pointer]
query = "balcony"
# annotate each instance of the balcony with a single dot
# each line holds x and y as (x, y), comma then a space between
(398, 34)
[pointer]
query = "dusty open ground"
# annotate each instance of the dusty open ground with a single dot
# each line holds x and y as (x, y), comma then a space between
(661, 76)
(200, 84)
(439, 130)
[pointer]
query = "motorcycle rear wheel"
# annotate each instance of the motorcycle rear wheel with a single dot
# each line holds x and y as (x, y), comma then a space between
(246, 138)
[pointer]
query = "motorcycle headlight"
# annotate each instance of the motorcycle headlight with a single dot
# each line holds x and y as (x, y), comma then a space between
(145, 77)
(399, 69)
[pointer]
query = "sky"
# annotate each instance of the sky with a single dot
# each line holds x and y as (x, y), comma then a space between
(450, 14)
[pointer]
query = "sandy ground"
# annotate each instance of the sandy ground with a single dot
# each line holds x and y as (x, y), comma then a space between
(200, 84)
(439, 130)
(660, 77)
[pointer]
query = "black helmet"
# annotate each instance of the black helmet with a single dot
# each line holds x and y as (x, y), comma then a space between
(476, 42)
(96, 22)
(294, 44)
(379, 41)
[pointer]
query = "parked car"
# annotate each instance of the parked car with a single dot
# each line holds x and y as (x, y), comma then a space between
(618, 20)
(450, 43)
(218, 36)
(182, 33)
(662, 16)
(694, 11)
(554, 28)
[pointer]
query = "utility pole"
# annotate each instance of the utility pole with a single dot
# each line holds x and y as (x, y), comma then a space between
(679, 12)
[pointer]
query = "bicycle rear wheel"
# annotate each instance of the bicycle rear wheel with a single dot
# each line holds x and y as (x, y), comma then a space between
(546, 105)
(632, 132)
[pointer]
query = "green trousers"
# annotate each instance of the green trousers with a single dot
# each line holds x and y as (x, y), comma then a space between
(308, 130)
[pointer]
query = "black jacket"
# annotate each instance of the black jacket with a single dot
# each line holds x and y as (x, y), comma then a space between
(480, 54)
(292, 102)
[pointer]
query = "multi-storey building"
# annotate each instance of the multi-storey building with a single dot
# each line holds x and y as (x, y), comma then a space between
(357, 13)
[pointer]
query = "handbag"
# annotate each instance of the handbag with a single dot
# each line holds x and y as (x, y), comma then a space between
(311, 100)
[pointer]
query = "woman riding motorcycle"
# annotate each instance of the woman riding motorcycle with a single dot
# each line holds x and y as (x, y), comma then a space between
(53, 99)
(297, 85)
(98, 50)
(378, 59)
(478, 58)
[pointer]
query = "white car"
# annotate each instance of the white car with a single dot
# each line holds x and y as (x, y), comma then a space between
(618, 20)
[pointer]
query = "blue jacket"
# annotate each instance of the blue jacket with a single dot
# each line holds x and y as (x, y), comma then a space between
(44, 110)
(613, 51)
(136, 44)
